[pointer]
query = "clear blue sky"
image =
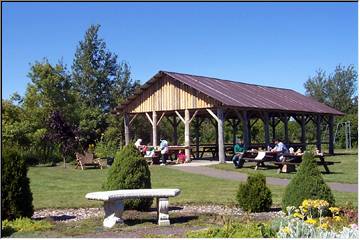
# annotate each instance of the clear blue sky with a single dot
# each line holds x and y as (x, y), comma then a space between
(276, 44)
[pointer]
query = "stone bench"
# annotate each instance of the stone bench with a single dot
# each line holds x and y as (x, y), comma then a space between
(114, 206)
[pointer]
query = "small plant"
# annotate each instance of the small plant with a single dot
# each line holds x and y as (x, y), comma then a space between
(254, 196)
(16, 196)
(24, 225)
(307, 184)
(130, 171)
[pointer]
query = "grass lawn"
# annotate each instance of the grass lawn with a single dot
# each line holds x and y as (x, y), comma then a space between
(56, 187)
(344, 172)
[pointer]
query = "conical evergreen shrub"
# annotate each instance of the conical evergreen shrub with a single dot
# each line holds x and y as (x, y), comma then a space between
(307, 183)
(254, 195)
(130, 171)
(16, 196)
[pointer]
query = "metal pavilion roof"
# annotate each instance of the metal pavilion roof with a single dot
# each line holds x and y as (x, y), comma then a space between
(244, 95)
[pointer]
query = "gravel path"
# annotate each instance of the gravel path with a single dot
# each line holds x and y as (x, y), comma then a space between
(223, 174)
(69, 215)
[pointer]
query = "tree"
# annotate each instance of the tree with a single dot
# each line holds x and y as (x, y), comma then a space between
(338, 90)
(62, 133)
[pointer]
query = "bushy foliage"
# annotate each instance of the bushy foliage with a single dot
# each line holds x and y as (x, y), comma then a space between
(307, 184)
(254, 195)
(235, 230)
(16, 196)
(23, 225)
(130, 171)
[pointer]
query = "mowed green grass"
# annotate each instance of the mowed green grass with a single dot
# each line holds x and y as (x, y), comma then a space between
(344, 172)
(56, 187)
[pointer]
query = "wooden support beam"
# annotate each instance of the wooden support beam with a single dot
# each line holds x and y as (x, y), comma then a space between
(126, 128)
(150, 120)
(252, 124)
(212, 114)
(187, 134)
(133, 118)
(154, 128)
(179, 115)
(266, 129)
(162, 115)
(220, 116)
(194, 115)
(197, 136)
(318, 132)
(331, 134)
(273, 125)
(175, 124)
(303, 128)
(286, 129)
(246, 132)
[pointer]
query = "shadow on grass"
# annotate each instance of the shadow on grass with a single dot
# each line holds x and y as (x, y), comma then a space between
(63, 217)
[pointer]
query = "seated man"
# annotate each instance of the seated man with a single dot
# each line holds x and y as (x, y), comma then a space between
(239, 150)
(280, 148)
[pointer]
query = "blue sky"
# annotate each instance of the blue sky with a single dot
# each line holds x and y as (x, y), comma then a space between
(275, 44)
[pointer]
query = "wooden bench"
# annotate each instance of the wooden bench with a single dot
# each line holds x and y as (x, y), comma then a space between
(114, 206)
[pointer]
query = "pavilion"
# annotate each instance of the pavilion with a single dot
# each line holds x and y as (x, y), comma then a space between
(182, 98)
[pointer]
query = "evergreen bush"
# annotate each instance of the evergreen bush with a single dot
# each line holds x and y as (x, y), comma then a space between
(307, 183)
(130, 171)
(254, 195)
(16, 196)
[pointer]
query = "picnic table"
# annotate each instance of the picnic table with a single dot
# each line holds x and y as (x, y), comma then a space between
(260, 157)
(292, 160)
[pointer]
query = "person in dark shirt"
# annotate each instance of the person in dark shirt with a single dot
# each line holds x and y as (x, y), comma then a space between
(239, 150)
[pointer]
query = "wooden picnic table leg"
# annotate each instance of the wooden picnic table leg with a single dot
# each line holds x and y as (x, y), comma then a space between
(322, 160)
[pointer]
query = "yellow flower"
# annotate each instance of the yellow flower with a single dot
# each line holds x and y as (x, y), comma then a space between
(334, 209)
(286, 230)
(337, 218)
(325, 226)
(311, 221)
(298, 215)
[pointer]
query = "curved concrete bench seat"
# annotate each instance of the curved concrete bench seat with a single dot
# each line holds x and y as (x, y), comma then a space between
(114, 206)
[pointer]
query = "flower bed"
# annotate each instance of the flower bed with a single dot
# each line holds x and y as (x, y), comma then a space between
(315, 219)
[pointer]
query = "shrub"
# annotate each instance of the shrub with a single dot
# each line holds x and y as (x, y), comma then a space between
(234, 230)
(254, 196)
(130, 171)
(16, 197)
(23, 225)
(307, 184)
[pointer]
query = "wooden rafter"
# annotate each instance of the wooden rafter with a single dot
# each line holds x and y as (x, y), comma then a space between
(179, 115)
(147, 115)
(158, 122)
(133, 118)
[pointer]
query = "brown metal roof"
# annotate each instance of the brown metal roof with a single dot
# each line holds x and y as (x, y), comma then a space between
(244, 95)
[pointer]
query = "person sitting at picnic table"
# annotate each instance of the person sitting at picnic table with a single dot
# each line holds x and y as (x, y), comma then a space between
(164, 151)
(280, 148)
(180, 157)
(239, 150)
(140, 147)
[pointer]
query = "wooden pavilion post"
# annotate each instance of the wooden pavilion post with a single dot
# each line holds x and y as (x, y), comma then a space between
(245, 125)
(154, 128)
(126, 129)
(175, 124)
(331, 134)
(197, 135)
(187, 134)
(303, 132)
(266, 129)
(273, 125)
(221, 148)
(234, 124)
(318, 132)
(286, 129)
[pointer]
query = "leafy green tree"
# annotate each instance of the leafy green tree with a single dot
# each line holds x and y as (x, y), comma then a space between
(338, 90)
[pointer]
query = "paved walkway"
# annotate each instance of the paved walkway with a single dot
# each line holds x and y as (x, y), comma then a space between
(223, 174)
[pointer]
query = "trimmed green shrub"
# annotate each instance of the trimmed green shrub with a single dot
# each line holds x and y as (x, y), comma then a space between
(307, 183)
(254, 195)
(130, 171)
(16, 197)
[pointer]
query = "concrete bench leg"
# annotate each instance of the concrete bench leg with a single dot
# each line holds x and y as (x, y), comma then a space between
(113, 211)
(163, 211)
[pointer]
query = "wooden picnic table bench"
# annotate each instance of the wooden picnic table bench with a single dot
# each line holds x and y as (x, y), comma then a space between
(114, 205)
